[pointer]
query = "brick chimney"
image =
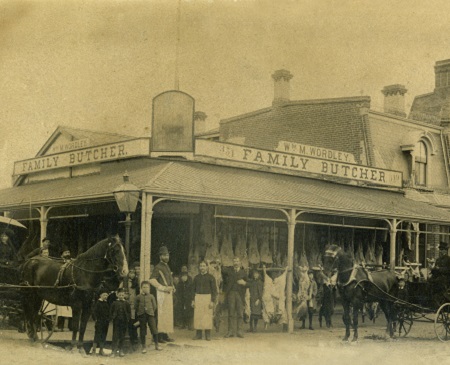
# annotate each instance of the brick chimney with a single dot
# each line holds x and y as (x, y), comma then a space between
(394, 99)
(199, 122)
(442, 75)
(281, 86)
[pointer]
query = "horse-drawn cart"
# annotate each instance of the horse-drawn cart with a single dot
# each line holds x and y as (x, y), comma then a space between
(40, 284)
(427, 301)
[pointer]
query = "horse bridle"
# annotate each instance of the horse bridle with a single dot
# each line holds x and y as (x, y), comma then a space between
(334, 256)
(113, 266)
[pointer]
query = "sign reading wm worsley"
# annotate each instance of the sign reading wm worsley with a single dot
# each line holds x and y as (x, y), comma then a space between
(114, 151)
(294, 162)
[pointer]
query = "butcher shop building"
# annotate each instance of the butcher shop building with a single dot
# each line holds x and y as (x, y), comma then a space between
(273, 186)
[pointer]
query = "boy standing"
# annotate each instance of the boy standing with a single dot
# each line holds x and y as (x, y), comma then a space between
(205, 291)
(145, 306)
(185, 295)
(120, 316)
(255, 287)
(100, 314)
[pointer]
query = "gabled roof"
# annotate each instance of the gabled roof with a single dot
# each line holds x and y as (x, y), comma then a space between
(96, 137)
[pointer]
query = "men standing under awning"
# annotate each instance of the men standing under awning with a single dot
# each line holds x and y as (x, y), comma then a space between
(161, 278)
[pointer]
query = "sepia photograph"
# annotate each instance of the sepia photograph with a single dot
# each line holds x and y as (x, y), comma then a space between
(224, 182)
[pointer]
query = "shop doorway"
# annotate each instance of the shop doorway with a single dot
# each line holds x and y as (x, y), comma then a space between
(173, 233)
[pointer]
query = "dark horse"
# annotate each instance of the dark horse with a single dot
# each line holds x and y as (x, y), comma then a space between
(71, 284)
(356, 286)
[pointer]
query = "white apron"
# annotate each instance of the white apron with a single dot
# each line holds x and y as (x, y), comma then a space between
(203, 315)
(64, 311)
(165, 311)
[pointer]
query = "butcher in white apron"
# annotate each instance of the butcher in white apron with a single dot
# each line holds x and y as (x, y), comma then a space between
(161, 278)
(205, 294)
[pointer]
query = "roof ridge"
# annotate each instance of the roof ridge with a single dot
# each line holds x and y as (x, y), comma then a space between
(61, 126)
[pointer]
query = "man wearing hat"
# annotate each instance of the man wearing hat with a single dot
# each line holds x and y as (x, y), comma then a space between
(443, 261)
(7, 251)
(161, 278)
(43, 250)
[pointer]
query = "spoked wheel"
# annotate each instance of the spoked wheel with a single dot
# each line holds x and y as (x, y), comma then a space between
(442, 323)
(405, 322)
(47, 320)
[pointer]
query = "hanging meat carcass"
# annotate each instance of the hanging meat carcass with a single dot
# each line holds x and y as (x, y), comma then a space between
(206, 229)
(379, 254)
(266, 256)
(303, 263)
(313, 252)
(212, 251)
(226, 251)
(215, 269)
(241, 250)
(359, 257)
(274, 299)
(277, 259)
(193, 261)
(370, 254)
(253, 253)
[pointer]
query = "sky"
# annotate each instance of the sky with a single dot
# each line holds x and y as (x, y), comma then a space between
(97, 64)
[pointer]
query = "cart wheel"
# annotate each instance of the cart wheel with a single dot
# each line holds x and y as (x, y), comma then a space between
(47, 321)
(405, 322)
(442, 322)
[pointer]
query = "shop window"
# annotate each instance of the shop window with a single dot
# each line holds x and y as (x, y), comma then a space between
(421, 160)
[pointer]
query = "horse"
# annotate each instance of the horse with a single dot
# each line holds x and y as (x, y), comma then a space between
(72, 283)
(357, 286)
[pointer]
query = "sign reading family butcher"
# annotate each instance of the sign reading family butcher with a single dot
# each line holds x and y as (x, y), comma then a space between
(114, 151)
(294, 162)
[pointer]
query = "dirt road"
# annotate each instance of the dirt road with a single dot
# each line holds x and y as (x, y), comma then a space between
(321, 346)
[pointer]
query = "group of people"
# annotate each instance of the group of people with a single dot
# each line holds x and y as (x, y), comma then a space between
(135, 307)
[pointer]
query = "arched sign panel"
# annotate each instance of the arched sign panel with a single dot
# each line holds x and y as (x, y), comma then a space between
(173, 122)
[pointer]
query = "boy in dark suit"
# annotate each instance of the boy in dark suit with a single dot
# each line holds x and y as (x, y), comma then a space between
(100, 314)
(120, 316)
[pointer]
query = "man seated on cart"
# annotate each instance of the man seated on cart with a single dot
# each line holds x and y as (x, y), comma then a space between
(442, 265)
(7, 252)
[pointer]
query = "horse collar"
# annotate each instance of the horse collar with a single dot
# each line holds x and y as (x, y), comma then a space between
(351, 278)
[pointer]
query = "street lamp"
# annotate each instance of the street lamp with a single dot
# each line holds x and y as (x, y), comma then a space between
(127, 197)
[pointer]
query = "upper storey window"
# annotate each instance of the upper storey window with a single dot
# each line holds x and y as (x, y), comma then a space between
(421, 160)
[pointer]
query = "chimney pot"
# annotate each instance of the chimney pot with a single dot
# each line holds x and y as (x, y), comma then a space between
(200, 122)
(282, 90)
(394, 99)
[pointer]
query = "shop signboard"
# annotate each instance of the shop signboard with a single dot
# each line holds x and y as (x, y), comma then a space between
(314, 151)
(109, 152)
(289, 162)
(173, 122)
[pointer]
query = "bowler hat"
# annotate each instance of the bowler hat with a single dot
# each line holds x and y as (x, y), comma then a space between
(103, 291)
(443, 245)
(163, 250)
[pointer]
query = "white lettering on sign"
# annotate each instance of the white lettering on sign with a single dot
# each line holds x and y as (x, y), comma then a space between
(292, 162)
(313, 151)
(121, 150)
(72, 145)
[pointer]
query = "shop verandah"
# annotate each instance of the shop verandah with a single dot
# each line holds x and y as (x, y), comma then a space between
(292, 215)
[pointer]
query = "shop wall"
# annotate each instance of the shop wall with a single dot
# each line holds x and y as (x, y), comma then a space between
(388, 135)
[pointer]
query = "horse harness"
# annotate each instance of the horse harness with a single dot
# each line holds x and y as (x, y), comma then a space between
(354, 271)
(70, 265)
